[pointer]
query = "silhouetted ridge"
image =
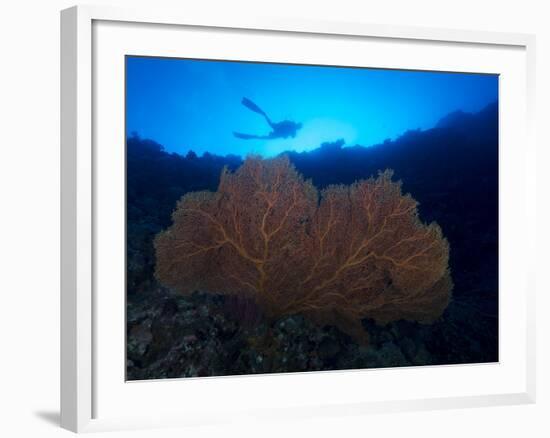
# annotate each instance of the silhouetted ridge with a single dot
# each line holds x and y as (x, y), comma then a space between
(453, 119)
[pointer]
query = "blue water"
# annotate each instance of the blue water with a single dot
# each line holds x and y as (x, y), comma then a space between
(196, 104)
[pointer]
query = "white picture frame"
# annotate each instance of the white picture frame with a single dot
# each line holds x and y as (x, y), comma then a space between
(87, 377)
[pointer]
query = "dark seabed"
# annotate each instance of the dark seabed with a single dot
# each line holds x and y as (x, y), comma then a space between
(452, 170)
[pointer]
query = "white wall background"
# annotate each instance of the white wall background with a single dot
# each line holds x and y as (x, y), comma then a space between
(29, 218)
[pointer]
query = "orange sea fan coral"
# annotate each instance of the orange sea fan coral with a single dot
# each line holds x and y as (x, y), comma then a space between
(352, 252)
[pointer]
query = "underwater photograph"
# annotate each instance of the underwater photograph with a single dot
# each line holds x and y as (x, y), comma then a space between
(293, 218)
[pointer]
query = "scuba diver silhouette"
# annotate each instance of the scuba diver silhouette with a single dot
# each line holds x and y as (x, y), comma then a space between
(283, 129)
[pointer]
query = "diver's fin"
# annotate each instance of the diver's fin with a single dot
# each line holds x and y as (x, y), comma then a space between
(252, 106)
(247, 136)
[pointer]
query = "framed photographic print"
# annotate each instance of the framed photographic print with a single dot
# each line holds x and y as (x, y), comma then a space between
(251, 207)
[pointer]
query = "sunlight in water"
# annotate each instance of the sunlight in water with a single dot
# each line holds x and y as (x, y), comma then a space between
(314, 133)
